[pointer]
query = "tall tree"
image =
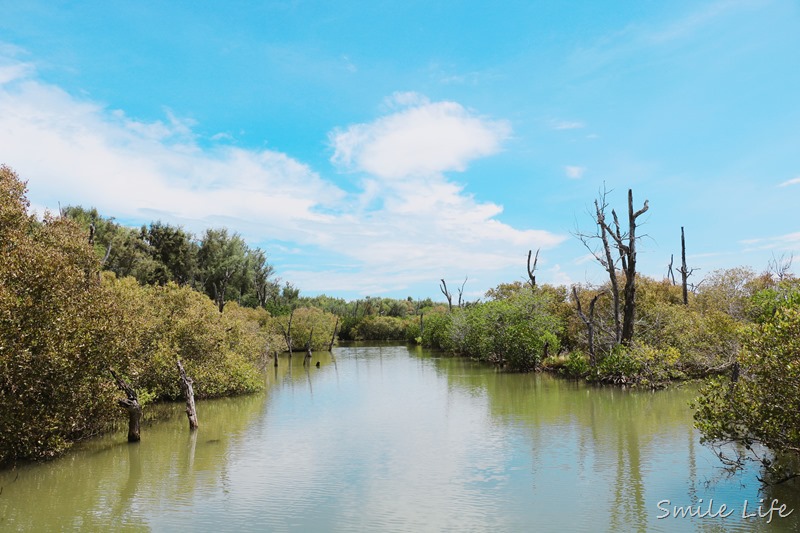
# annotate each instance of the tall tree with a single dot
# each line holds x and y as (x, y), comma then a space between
(261, 272)
(222, 259)
(174, 248)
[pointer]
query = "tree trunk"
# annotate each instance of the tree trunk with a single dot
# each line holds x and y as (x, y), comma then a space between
(589, 321)
(629, 311)
(131, 404)
(333, 337)
(446, 292)
(188, 393)
(610, 268)
(684, 270)
(307, 358)
(532, 269)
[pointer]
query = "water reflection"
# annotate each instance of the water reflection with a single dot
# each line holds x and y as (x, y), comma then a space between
(395, 439)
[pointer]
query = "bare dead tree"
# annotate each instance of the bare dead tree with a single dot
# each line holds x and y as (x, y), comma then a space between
(333, 337)
(624, 244)
(780, 267)
(685, 272)
(287, 334)
(605, 257)
(188, 394)
(443, 288)
(461, 291)
(628, 253)
(532, 269)
(91, 234)
(589, 321)
(131, 404)
(670, 273)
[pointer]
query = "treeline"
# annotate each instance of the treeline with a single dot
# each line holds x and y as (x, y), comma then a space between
(81, 294)
(219, 264)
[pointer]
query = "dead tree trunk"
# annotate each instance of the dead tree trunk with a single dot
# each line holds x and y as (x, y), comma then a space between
(607, 260)
(131, 404)
(333, 337)
(443, 288)
(188, 393)
(685, 272)
(629, 310)
(461, 291)
(287, 334)
(589, 321)
(625, 245)
(307, 358)
(670, 273)
(421, 324)
(532, 269)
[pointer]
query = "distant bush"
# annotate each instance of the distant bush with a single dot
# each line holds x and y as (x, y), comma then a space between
(382, 328)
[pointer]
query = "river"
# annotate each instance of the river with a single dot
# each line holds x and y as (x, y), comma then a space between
(396, 438)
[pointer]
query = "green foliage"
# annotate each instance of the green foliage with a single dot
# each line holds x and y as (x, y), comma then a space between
(573, 365)
(511, 331)
(380, 328)
(619, 367)
(57, 332)
(304, 320)
(63, 325)
(436, 330)
(640, 365)
(762, 407)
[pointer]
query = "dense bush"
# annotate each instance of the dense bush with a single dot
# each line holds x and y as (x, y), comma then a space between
(511, 331)
(382, 328)
(306, 322)
(760, 403)
(58, 332)
(63, 325)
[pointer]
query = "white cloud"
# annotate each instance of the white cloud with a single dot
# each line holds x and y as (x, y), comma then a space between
(567, 124)
(406, 224)
(793, 181)
(422, 139)
(574, 172)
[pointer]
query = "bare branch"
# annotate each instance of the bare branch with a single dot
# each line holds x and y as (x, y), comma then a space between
(531, 270)
(443, 288)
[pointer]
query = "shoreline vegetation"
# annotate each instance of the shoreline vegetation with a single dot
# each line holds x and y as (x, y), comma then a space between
(82, 296)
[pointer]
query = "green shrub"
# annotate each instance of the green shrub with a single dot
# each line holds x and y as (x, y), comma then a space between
(576, 365)
(380, 328)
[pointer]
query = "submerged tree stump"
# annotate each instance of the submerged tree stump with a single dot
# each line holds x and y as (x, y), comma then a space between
(188, 393)
(131, 404)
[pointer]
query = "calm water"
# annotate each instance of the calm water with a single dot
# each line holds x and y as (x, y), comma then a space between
(388, 438)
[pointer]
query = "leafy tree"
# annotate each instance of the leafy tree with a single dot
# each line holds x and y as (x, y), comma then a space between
(223, 265)
(173, 248)
(58, 332)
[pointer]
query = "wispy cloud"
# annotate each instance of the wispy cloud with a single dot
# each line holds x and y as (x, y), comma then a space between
(574, 172)
(566, 124)
(789, 242)
(407, 222)
(699, 19)
(793, 181)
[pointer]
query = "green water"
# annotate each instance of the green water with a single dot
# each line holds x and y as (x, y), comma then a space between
(390, 438)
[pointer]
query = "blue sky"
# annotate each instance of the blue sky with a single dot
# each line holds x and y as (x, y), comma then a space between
(372, 148)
